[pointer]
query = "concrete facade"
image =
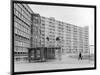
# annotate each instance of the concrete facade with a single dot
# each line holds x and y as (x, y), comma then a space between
(22, 30)
(73, 39)
(31, 31)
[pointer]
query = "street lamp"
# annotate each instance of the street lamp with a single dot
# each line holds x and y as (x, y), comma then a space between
(57, 39)
(47, 38)
(47, 41)
(59, 51)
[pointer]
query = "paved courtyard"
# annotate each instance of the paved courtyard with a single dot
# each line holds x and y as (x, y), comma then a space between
(65, 63)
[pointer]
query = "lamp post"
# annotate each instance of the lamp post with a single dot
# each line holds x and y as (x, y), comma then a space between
(47, 38)
(47, 41)
(59, 50)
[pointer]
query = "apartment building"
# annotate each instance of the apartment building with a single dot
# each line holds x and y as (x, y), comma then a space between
(73, 39)
(86, 39)
(39, 33)
(48, 35)
(22, 30)
(42, 27)
(60, 34)
(80, 39)
(67, 38)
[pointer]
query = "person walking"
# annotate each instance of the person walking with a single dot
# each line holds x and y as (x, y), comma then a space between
(80, 56)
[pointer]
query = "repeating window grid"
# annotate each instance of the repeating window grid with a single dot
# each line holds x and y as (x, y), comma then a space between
(22, 44)
(22, 10)
(20, 27)
(21, 33)
(21, 23)
(22, 16)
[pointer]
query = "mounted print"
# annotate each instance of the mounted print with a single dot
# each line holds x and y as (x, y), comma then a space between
(52, 37)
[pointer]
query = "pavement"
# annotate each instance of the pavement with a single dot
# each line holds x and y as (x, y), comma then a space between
(66, 62)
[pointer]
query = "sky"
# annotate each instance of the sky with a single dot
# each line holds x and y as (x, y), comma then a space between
(74, 15)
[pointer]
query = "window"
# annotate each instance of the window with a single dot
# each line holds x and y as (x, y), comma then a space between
(15, 30)
(16, 13)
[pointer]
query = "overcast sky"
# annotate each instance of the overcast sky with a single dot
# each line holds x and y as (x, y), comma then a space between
(73, 15)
